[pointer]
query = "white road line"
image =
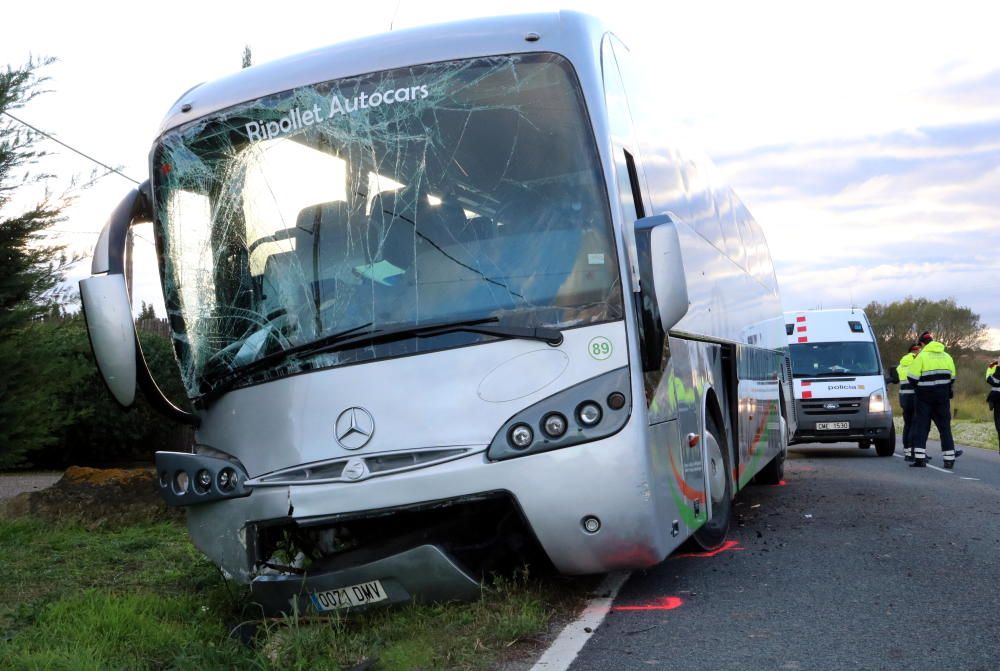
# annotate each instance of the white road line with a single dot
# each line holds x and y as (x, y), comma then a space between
(574, 635)
(965, 478)
(942, 470)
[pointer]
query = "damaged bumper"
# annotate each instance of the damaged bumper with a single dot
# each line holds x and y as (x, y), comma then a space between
(423, 573)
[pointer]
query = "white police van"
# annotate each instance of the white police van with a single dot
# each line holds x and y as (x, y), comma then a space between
(838, 382)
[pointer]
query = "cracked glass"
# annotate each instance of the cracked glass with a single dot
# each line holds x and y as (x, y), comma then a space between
(452, 191)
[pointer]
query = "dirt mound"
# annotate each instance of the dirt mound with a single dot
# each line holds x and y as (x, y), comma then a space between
(96, 498)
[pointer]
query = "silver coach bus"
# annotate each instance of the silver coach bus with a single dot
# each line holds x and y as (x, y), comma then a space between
(438, 295)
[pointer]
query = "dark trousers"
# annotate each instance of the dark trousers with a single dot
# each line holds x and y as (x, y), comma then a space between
(907, 402)
(996, 415)
(932, 407)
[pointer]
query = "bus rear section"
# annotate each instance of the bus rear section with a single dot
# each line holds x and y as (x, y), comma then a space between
(839, 385)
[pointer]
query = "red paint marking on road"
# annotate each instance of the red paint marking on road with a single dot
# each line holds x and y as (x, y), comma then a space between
(725, 547)
(663, 603)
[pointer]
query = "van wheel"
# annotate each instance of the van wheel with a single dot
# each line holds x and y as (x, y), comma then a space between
(774, 472)
(712, 533)
(885, 447)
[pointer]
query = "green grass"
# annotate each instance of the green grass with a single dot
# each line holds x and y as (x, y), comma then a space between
(143, 597)
(975, 434)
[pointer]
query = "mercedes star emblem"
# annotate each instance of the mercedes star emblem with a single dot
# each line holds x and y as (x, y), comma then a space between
(354, 428)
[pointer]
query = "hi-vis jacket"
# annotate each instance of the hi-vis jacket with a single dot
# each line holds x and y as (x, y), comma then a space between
(905, 386)
(932, 371)
(993, 379)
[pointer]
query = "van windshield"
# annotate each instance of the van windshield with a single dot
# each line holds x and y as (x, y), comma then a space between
(834, 359)
(461, 190)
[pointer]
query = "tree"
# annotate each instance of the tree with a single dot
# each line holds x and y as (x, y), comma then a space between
(30, 268)
(247, 57)
(146, 312)
(900, 323)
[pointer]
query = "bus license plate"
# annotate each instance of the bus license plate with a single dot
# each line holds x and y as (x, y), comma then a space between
(347, 597)
(820, 426)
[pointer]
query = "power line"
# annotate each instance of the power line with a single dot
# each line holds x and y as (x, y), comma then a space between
(57, 141)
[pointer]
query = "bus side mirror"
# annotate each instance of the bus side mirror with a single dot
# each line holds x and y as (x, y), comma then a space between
(107, 308)
(108, 313)
(661, 269)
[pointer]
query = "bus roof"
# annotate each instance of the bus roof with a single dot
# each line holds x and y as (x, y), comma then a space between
(572, 34)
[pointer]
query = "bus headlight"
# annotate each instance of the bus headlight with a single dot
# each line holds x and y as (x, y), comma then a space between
(521, 436)
(569, 417)
(554, 425)
(876, 402)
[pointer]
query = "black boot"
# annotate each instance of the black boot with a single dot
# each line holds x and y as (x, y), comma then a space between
(949, 465)
(919, 463)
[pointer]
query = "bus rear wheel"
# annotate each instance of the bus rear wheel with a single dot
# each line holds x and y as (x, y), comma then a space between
(712, 534)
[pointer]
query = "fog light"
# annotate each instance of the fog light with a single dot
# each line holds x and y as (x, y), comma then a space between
(181, 481)
(521, 436)
(227, 479)
(591, 524)
(616, 400)
(589, 413)
(554, 425)
(202, 481)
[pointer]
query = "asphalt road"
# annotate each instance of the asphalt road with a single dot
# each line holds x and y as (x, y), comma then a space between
(857, 562)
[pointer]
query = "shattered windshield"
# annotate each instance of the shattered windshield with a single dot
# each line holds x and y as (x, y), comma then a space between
(453, 191)
(830, 359)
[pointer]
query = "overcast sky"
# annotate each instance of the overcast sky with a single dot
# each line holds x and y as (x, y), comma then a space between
(864, 136)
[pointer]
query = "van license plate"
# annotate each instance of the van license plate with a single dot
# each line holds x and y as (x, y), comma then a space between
(352, 595)
(820, 426)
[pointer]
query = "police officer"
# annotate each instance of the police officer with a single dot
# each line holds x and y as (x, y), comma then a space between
(993, 379)
(906, 400)
(932, 374)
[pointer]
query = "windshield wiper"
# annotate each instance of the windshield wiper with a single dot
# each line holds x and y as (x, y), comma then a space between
(351, 338)
(226, 379)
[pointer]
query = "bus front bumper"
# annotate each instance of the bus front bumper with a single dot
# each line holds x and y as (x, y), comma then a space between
(423, 573)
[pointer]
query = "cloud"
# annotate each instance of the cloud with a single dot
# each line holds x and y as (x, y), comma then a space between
(881, 217)
(981, 90)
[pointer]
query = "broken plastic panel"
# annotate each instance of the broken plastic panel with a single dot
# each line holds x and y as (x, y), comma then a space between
(451, 191)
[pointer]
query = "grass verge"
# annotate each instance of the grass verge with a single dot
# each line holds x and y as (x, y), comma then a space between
(976, 434)
(142, 597)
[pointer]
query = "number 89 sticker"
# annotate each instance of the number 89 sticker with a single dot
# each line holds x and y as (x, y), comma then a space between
(600, 348)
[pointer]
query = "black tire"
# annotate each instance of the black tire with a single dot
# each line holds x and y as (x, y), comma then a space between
(885, 447)
(774, 472)
(712, 533)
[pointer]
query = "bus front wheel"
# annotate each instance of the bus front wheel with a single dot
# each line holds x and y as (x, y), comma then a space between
(712, 534)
